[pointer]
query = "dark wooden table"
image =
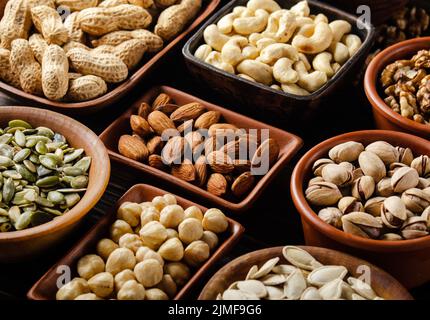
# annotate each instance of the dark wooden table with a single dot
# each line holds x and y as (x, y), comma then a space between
(272, 221)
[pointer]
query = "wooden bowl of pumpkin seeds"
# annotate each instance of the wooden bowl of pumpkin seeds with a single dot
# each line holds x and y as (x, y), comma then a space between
(302, 273)
(53, 170)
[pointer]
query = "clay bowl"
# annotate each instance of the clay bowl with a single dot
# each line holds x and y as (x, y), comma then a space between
(384, 285)
(25, 244)
(46, 287)
(407, 260)
(268, 103)
(289, 145)
(385, 117)
(115, 92)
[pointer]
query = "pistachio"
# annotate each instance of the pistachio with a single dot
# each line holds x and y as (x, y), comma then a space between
(403, 179)
(384, 188)
(337, 174)
(323, 194)
(332, 216)
(319, 166)
(393, 212)
(349, 204)
(385, 151)
(422, 165)
(416, 200)
(426, 216)
(405, 155)
(348, 151)
(372, 165)
(423, 183)
(363, 188)
(374, 205)
(391, 237)
(414, 227)
(361, 224)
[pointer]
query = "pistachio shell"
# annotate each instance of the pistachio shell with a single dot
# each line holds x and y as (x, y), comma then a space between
(385, 151)
(361, 224)
(416, 200)
(332, 216)
(323, 194)
(372, 165)
(373, 206)
(347, 151)
(337, 174)
(349, 204)
(363, 188)
(403, 179)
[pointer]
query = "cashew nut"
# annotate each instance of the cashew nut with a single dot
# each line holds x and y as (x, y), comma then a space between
(305, 60)
(245, 76)
(281, 26)
(225, 24)
(263, 43)
(307, 30)
(301, 9)
(254, 37)
(214, 58)
(232, 51)
(336, 67)
(248, 25)
(322, 62)
(275, 86)
(340, 53)
(339, 28)
(268, 5)
(320, 18)
(203, 51)
(250, 52)
(257, 70)
(309, 81)
(214, 37)
(283, 71)
(275, 51)
(301, 21)
(353, 42)
(318, 42)
(294, 89)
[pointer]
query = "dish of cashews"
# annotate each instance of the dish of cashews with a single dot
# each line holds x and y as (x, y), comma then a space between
(293, 50)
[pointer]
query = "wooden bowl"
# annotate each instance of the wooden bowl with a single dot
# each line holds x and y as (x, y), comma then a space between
(270, 103)
(289, 145)
(46, 287)
(407, 260)
(385, 117)
(118, 91)
(25, 244)
(384, 285)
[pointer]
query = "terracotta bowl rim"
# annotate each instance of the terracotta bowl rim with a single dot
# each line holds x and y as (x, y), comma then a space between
(311, 217)
(86, 203)
(373, 71)
(273, 250)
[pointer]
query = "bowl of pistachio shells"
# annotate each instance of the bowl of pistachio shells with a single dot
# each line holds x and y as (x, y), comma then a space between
(367, 192)
(302, 273)
(53, 170)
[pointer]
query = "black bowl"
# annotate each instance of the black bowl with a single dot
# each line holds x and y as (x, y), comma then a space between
(265, 102)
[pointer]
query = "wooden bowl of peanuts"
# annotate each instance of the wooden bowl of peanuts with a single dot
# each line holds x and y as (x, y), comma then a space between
(272, 64)
(178, 280)
(85, 71)
(260, 266)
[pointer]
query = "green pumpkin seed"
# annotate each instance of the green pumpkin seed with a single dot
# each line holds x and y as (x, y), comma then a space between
(55, 197)
(30, 166)
(83, 164)
(79, 182)
(42, 171)
(73, 156)
(6, 227)
(23, 221)
(34, 158)
(3, 212)
(25, 173)
(22, 155)
(44, 202)
(59, 138)
(8, 190)
(54, 211)
(12, 174)
(4, 219)
(40, 217)
(71, 190)
(49, 161)
(6, 162)
(44, 131)
(19, 123)
(41, 147)
(14, 214)
(48, 182)
(6, 138)
(73, 171)
(59, 154)
(6, 150)
(20, 138)
(72, 199)
(20, 198)
(52, 146)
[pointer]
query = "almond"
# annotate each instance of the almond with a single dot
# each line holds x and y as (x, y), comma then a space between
(160, 122)
(207, 119)
(269, 149)
(140, 126)
(189, 111)
(220, 162)
(173, 150)
(155, 145)
(212, 144)
(193, 138)
(144, 110)
(167, 108)
(231, 148)
(155, 161)
(161, 100)
(185, 171)
(132, 148)
(217, 184)
(201, 171)
(224, 129)
(243, 184)
(186, 126)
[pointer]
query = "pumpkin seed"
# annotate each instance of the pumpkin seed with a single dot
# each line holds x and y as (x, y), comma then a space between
(3, 212)
(20, 138)
(43, 131)
(71, 190)
(83, 164)
(8, 190)
(30, 166)
(42, 171)
(71, 199)
(73, 155)
(54, 211)
(6, 150)
(79, 182)
(23, 221)
(6, 138)
(4, 219)
(59, 138)
(49, 161)
(41, 147)
(47, 182)
(14, 214)
(6, 227)
(73, 171)
(25, 173)
(52, 146)
(12, 174)
(5, 162)
(55, 197)
(19, 123)
(29, 132)
(34, 158)
(22, 155)
(40, 217)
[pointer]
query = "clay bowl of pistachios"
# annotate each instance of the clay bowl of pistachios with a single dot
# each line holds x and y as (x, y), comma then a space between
(397, 87)
(367, 193)
(53, 171)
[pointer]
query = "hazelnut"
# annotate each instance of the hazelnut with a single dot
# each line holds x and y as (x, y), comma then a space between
(73, 289)
(153, 234)
(102, 284)
(171, 216)
(172, 250)
(122, 277)
(148, 272)
(145, 253)
(149, 214)
(193, 212)
(172, 233)
(131, 290)
(214, 220)
(118, 229)
(130, 213)
(105, 247)
(88, 296)
(90, 265)
(159, 203)
(120, 259)
(130, 241)
(179, 272)
(156, 294)
(169, 199)
(190, 230)
(211, 239)
(196, 253)
(168, 286)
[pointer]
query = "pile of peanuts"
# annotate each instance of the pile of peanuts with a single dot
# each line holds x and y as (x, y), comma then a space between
(97, 44)
(289, 50)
